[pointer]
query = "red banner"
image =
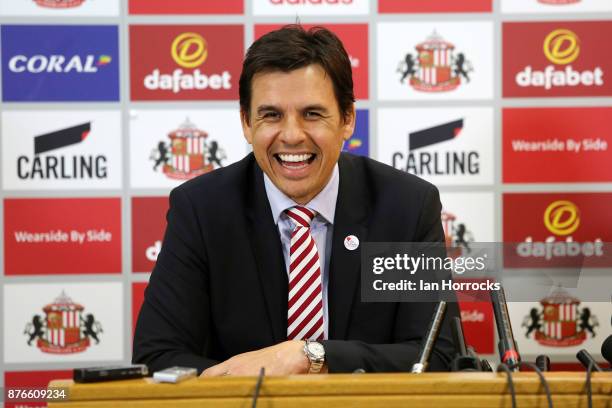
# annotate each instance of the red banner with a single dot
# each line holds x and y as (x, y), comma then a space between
(62, 236)
(562, 58)
(190, 62)
(555, 145)
(148, 226)
(557, 229)
(438, 6)
(186, 7)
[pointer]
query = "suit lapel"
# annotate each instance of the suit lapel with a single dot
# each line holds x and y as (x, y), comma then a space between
(345, 265)
(268, 254)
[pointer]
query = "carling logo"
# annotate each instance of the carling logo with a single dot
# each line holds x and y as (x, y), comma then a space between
(50, 150)
(439, 146)
(73, 63)
(556, 59)
(188, 62)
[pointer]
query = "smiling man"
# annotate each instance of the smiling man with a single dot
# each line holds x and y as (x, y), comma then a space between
(260, 262)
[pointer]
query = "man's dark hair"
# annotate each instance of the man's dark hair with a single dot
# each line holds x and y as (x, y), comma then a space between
(292, 47)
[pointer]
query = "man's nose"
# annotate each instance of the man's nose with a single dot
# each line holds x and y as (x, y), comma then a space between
(292, 132)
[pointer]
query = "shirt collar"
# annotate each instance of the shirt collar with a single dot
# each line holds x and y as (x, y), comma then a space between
(323, 203)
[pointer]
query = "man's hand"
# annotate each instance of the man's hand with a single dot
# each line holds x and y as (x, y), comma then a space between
(281, 359)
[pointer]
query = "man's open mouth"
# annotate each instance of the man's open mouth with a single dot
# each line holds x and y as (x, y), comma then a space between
(295, 161)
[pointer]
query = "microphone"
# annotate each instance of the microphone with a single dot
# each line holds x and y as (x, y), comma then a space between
(430, 339)
(543, 362)
(606, 349)
(508, 351)
(466, 359)
(587, 359)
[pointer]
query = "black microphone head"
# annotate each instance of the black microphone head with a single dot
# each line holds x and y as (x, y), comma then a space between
(606, 349)
(587, 360)
(543, 362)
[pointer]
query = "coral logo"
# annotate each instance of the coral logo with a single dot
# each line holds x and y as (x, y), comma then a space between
(561, 46)
(562, 217)
(189, 50)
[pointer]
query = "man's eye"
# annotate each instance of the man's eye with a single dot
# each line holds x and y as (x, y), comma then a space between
(270, 115)
(312, 114)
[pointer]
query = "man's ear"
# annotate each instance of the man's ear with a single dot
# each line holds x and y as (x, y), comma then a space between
(246, 127)
(349, 123)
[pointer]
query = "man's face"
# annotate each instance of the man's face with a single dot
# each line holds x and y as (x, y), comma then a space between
(296, 129)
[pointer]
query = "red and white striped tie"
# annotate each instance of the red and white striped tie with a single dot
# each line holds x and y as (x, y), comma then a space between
(305, 308)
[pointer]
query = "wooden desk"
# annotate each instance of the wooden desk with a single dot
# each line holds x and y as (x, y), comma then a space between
(344, 390)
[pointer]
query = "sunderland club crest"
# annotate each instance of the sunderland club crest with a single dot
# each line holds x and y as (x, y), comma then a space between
(457, 236)
(59, 3)
(65, 329)
(435, 67)
(560, 322)
(189, 153)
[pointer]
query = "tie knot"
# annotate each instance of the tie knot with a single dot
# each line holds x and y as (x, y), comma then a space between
(301, 216)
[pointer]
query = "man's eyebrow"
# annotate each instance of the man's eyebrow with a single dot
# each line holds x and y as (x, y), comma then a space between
(316, 107)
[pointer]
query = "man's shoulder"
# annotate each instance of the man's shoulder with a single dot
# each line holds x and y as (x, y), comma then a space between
(383, 178)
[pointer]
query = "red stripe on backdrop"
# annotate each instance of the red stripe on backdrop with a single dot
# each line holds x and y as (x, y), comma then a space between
(186, 7)
(439, 6)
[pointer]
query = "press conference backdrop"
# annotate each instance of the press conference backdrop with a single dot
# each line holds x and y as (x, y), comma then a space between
(108, 104)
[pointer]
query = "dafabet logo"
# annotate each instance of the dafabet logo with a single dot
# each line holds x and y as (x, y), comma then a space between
(562, 217)
(185, 62)
(560, 229)
(556, 59)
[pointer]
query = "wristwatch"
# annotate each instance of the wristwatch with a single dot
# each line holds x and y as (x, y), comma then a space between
(316, 354)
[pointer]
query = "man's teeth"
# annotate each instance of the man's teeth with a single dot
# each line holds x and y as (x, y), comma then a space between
(295, 158)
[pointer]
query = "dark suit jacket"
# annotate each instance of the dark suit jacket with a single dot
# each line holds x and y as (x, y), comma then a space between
(219, 287)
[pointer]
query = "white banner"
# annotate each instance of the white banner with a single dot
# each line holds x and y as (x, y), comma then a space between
(555, 6)
(59, 8)
(50, 150)
(171, 146)
(63, 322)
(446, 146)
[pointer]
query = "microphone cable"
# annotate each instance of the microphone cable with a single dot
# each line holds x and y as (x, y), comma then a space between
(543, 381)
(503, 367)
(262, 373)
(589, 391)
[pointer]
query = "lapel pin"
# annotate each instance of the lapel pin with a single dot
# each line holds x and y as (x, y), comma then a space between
(351, 242)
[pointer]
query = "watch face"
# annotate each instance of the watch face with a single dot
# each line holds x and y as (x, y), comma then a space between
(316, 349)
